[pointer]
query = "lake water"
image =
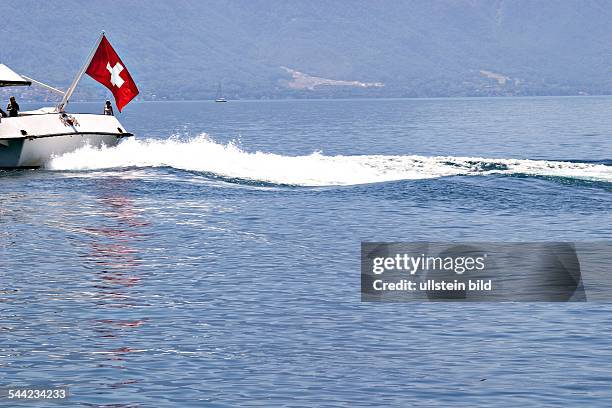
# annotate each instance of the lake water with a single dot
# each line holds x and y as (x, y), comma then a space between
(213, 260)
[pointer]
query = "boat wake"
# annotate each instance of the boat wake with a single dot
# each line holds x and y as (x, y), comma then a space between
(202, 154)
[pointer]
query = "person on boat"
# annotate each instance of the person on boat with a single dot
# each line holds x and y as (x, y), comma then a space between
(108, 109)
(2, 113)
(12, 108)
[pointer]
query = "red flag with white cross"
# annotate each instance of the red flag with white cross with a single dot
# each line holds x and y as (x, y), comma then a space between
(107, 68)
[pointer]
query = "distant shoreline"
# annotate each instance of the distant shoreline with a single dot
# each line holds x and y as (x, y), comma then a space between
(337, 99)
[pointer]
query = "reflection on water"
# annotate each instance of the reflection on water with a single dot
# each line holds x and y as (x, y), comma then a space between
(115, 263)
(113, 257)
(88, 287)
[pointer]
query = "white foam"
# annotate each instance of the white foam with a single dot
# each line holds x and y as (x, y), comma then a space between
(205, 155)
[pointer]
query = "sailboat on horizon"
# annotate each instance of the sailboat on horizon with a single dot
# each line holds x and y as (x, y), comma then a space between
(219, 97)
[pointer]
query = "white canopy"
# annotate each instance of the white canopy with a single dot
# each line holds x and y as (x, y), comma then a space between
(8, 77)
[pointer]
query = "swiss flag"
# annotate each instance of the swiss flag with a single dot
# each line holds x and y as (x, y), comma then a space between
(107, 68)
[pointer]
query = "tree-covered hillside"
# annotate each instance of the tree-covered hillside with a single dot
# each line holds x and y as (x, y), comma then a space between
(182, 49)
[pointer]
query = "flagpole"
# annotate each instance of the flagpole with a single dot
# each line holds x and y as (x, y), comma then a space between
(77, 78)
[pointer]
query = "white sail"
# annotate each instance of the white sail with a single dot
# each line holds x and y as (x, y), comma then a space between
(219, 97)
(8, 77)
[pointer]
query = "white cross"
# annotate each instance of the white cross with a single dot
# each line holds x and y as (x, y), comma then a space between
(114, 73)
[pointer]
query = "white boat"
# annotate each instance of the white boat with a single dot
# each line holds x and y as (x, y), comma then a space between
(30, 139)
(219, 97)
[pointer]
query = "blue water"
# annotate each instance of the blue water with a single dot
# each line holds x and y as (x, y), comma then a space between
(214, 259)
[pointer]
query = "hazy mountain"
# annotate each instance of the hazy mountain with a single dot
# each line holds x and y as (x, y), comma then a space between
(183, 49)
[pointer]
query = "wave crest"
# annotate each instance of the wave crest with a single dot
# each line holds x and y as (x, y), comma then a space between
(203, 154)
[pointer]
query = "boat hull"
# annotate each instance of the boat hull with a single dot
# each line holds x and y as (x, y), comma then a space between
(30, 141)
(34, 153)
